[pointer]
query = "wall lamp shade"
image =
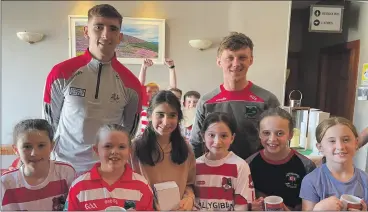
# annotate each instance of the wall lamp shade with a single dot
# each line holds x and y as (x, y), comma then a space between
(30, 37)
(200, 44)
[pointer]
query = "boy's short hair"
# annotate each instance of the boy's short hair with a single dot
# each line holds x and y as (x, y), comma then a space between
(234, 42)
(106, 11)
(152, 84)
(176, 90)
(192, 93)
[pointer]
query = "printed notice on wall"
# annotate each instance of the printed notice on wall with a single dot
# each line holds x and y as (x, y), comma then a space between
(363, 93)
(326, 18)
(364, 79)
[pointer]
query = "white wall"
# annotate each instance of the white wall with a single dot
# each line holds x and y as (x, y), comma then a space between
(267, 23)
(359, 31)
(25, 67)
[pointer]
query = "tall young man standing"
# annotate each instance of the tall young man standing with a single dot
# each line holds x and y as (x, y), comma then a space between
(237, 96)
(90, 90)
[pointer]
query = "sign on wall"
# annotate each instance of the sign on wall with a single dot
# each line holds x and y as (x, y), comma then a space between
(326, 18)
(364, 80)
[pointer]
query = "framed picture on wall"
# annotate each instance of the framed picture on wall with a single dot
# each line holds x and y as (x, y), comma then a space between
(142, 38)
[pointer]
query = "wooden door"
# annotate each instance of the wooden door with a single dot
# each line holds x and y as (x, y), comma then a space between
(338, 77)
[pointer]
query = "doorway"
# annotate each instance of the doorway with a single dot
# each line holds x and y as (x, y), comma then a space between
(338, 72)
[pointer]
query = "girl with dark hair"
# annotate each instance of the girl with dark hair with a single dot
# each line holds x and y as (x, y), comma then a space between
(223, 180)
(39, 184)
(161, 154)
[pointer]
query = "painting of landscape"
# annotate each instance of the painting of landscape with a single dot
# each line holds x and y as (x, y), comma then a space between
(142, 38)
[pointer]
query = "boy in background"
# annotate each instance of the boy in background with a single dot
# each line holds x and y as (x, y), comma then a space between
(150, 89)
(190, 102)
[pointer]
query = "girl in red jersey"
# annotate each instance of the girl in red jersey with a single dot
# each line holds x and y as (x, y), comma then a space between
(223, 180)
(111, 182)
(39, 184)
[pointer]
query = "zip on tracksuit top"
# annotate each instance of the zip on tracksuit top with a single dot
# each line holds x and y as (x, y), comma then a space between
(81, 94)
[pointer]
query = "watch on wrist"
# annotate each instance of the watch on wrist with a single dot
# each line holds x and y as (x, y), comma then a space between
(173, 66)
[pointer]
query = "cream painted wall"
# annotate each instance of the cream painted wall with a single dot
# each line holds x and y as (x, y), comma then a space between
(359, 31)
(267, 23)
(25, 67)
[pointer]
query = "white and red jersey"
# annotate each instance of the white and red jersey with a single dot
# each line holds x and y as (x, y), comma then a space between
(224, 184)
(49, 195)
(144, 120)
(82, 94)
(90, 192)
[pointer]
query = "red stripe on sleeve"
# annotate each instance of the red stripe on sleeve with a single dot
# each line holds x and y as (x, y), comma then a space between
(64, 70)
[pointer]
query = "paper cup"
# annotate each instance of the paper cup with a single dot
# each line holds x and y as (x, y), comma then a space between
(115, 208)
(351, 202)
(273, 203)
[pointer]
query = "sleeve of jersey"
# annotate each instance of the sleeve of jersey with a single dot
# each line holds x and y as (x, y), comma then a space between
(53, 98)
(72, 202)
(3, 189)
(146, 203)
(244, 189)
(71, 175)
(273, 102)
(308, 190)
(132, 110)
(196, 138)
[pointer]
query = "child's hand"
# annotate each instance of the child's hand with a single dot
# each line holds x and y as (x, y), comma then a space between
(329, 204)
(147, 63)
(285, 207)
(186, 204)
(258, 204)
(364, 207)
(169, 62)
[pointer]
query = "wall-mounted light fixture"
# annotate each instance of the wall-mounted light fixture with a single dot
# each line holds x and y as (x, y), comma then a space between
(30, 37)
(200, 44)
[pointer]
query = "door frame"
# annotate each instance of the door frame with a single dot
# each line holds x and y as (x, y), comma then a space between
(354, 47)
(296, 56)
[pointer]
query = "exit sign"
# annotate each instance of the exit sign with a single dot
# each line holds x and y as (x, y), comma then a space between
(326, 18)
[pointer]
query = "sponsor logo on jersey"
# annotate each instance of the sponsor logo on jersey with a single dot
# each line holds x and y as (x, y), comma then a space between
(292, 180)
(251, 111)
(73, 91)
(114, 97)
(90, 206)
(226, 183)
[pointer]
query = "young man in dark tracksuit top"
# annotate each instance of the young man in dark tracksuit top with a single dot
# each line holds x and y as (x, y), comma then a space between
(90, 90)
(237, 96)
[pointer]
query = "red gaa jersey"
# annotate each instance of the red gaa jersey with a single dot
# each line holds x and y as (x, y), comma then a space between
(91, 193)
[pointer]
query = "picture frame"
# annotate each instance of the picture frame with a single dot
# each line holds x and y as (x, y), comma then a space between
(143, 38)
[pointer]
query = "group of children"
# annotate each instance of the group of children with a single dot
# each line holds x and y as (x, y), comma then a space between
(190, 98)
(218, 180)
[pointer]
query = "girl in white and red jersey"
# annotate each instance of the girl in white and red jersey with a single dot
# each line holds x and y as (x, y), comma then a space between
(39, 184)
(223, 180)
(111, 182)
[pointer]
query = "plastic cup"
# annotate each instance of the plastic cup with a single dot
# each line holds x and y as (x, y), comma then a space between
(115, 208)
(273, 203)
(351, 202)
